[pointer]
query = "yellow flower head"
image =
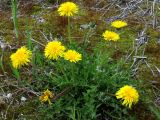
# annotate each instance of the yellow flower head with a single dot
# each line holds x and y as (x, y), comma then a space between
(72, 56)
(21, 57)
(54, 50)
(110, 36)
(46, 96)
(128, 94)
(68, 9)
(118, 24)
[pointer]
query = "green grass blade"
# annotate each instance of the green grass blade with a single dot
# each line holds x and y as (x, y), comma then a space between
(14, 15)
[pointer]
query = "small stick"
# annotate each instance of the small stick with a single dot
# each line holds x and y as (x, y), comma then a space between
(66, 90)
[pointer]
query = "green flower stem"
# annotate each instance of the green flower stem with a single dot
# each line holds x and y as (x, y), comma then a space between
(17, 74)
(62, 70)
(69, 31)
(72, 72)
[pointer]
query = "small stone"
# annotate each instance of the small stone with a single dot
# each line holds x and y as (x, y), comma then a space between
(23, 99)
(9, 95)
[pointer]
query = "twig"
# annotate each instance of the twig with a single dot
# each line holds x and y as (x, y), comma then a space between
(38, 42)
(66, 90)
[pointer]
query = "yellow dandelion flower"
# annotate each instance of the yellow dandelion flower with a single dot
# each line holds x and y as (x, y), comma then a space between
(118, 24)
(68, 9)
(46, 96)
(21, 57)
(54, 50)
(72, 56)
(128, 94)
(110, 36)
